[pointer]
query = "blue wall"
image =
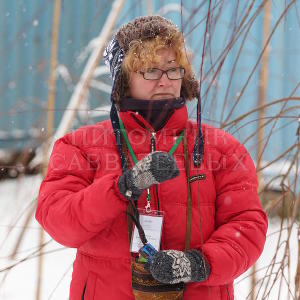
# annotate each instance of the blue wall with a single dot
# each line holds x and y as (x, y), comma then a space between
(25, 46)
(25, 50)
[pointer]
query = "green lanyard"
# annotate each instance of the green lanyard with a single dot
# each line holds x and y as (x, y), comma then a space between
(134, 159)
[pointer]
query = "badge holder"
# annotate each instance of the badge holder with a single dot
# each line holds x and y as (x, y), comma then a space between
(152, 223)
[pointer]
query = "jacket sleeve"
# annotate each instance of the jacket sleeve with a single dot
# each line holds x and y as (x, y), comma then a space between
(241, 223)
(72, 206)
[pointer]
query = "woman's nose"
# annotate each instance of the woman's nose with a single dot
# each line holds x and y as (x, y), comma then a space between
(164, 80)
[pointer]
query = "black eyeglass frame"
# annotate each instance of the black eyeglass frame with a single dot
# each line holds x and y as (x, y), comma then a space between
(182, 70)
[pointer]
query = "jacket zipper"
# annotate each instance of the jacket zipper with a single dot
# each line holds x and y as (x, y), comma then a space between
(155, 187)
(152, 141)
(152, 149)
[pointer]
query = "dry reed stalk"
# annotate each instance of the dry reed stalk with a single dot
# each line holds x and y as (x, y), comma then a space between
(263, 82)
(50, 118)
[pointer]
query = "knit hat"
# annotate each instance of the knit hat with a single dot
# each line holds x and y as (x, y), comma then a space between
(144, 28)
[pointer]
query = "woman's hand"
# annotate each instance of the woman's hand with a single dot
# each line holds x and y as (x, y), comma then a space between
(172, 266)
(154, 168)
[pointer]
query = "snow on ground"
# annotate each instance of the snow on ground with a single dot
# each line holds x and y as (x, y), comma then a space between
(242, 284)
(16, 200)
(20, 282)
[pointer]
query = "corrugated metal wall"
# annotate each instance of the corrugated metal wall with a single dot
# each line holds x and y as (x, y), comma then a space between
(25, 46)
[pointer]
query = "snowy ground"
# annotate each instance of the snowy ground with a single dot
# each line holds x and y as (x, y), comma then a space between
(20, 281)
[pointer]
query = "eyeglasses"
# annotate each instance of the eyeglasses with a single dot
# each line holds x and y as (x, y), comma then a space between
(156, 74)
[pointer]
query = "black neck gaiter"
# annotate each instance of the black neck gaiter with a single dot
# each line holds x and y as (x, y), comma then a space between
(155, 112)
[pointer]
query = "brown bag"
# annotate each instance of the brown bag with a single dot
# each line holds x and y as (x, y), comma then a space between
(145, 287)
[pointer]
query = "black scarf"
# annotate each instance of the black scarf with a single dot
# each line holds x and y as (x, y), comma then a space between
(155, 112)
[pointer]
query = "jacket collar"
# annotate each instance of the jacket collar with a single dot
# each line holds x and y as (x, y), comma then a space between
(174, 125)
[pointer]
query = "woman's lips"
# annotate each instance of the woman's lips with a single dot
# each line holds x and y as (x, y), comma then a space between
(163, 96)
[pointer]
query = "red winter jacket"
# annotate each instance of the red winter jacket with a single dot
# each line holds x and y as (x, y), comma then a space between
(80, 206)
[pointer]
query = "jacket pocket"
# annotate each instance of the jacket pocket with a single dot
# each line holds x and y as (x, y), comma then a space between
(202, 188)
(203, 192)
(90, 287)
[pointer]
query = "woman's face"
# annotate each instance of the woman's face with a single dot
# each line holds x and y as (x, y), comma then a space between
(162, 88)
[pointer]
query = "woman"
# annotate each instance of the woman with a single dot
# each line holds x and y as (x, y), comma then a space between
(150, 155)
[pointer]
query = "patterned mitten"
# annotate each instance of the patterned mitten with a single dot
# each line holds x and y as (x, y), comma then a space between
(172, 266)
(154, 168)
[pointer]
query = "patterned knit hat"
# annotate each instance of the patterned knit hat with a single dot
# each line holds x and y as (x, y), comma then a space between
(144, 28)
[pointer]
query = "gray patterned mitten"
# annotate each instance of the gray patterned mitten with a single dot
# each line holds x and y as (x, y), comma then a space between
(154, 168)
(172, 266)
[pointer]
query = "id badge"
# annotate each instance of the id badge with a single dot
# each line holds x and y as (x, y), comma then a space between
(152, 225)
